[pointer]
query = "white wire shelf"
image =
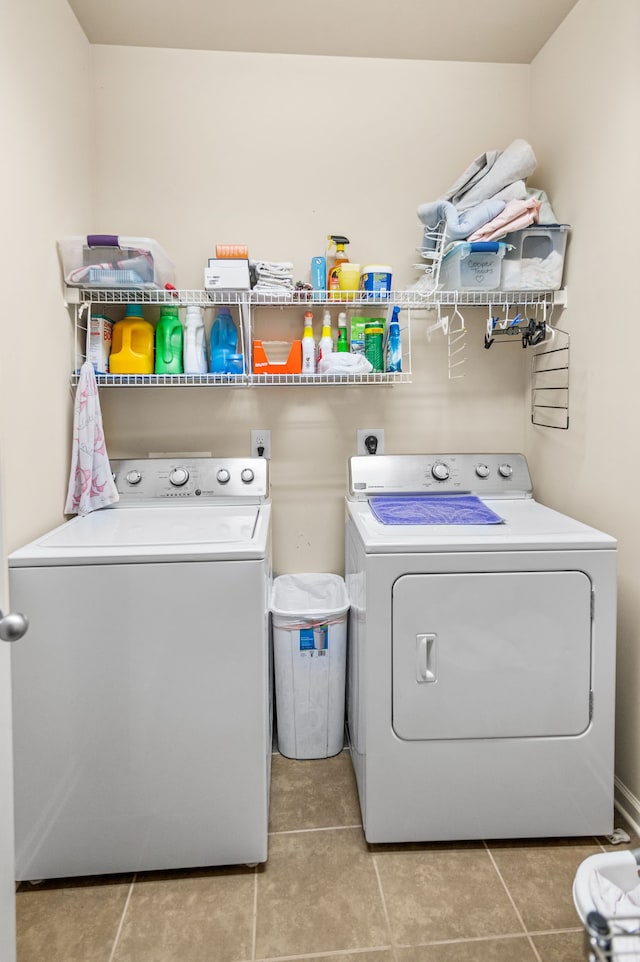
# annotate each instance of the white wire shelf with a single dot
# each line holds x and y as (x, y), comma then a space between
(323, 379)
(167, 380)
(243, 380)
(403, 298)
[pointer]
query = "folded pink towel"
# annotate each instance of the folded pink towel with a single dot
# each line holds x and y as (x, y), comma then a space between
(91, 483)
(516, 215)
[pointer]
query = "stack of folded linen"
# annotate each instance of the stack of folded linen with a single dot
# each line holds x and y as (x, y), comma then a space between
(272, 277)
(489, 199)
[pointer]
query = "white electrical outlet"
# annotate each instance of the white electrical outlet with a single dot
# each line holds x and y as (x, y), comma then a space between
(370, 441)
(261, 444)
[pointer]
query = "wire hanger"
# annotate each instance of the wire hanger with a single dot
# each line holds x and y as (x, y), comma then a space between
(456, 343)
(442, 324)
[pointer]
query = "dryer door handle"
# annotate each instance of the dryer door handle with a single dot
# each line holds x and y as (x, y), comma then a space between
(426, 658)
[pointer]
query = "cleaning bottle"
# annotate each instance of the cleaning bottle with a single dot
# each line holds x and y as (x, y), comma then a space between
(394, 345)
(195, 347)
(169, 341)
(222, 342)
(343, 343)
(325, 346)
(132, 344)
(308, 345)
(333, 284)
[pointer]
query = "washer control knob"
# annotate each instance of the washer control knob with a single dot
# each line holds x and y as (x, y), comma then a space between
(133, 477)
(178, 477)
(505, 470)
(247, 475)
(440, 471)
(223, 476)
(482, 470)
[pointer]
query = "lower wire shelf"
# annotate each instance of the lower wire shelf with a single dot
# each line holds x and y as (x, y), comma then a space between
(243, 380)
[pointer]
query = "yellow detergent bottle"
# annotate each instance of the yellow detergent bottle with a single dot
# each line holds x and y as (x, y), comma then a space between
(333, 282)
(132, 344)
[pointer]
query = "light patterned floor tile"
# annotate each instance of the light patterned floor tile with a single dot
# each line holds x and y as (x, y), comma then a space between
(319, 793)
(539, 876)
(319, 893)
(204, 917)
(437, 892)
(71, 920)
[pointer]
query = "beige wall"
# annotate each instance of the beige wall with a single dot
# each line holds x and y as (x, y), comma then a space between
(584, 123)
(45, 105)
(276, 152)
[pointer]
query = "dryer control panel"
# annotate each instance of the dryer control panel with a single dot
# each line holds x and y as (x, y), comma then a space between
(486, 475)
(191, 479)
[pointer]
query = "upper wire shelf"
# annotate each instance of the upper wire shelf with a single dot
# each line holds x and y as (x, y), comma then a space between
(402, 298)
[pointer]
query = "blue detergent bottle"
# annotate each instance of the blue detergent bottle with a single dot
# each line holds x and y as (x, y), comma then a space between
(223, 342)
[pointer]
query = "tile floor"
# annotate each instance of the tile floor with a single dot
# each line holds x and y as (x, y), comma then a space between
(324, 894)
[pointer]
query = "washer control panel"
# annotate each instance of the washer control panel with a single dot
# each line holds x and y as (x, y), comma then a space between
(487, 475)
(191, 479)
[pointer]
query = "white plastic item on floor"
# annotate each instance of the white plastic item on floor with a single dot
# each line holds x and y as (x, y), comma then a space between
(606, 895)
(309, 619)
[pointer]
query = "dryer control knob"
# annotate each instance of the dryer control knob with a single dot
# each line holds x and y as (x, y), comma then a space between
(223, 476)
(247, 475)
(133, 477)
(440, 471)
(482, 470)
(505, 470)
(178, 477)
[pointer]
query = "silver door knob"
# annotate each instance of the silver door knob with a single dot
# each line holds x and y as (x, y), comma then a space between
(13, 626)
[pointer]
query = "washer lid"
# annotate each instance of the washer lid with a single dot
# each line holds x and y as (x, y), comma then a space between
(181, 532)
(527, 525)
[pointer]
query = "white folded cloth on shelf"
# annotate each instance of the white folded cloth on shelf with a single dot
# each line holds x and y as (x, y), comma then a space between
(273, 277)
(91, 483)
(344, 363)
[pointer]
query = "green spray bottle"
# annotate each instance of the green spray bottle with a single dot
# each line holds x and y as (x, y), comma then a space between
(169, 341)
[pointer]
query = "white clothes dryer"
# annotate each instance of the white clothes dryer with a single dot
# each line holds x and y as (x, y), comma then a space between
(482, 645)
(142, 700)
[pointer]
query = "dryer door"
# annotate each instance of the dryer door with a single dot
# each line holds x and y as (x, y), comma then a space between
(491, 655)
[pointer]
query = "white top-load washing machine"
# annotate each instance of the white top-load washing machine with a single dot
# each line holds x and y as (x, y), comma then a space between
(481, 653)
(142, 694)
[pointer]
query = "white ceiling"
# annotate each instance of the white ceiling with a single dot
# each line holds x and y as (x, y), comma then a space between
(491, 31)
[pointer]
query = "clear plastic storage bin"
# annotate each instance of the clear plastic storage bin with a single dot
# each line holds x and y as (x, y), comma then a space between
(309, 618)
(109, 260)
(534, 259)
(472, 266)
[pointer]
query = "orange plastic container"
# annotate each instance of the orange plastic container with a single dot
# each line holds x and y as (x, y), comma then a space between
(262, 364)
(132, 344)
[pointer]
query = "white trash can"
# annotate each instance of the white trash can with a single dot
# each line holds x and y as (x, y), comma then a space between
(309, 618)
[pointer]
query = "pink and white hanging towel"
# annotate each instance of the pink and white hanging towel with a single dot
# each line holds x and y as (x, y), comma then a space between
(91, 483)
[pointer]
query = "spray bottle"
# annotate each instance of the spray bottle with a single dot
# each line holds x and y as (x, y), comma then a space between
(308, 345)
(325, 346)
(343, 342)
(333, 283)
(394, 346)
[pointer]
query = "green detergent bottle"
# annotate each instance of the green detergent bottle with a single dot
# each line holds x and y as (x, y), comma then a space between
(169, 341)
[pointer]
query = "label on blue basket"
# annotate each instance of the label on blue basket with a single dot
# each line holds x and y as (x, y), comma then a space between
(314, 640)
